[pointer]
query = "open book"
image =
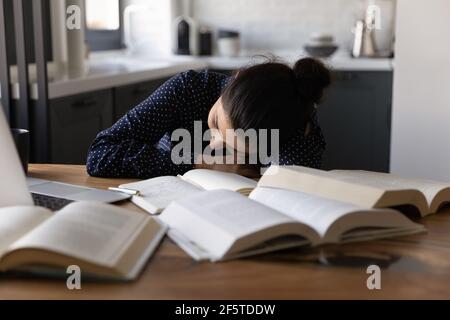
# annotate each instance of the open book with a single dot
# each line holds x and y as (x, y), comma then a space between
(103, 240)
(366, 189)
(156, 194)
(221, 225)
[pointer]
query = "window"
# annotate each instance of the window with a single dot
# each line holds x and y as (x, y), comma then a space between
(104, 24)
(103, 14)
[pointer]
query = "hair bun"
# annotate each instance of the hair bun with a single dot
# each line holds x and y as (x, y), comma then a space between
(313, 77)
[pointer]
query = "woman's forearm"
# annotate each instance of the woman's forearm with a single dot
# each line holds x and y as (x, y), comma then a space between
(133, 159)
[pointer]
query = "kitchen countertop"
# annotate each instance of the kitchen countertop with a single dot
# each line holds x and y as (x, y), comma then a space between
(113, 69)
(339, 61)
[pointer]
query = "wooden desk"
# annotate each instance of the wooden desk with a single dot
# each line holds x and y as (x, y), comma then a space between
(412, 267)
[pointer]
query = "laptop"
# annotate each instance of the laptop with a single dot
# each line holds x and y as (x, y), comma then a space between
(17, 190)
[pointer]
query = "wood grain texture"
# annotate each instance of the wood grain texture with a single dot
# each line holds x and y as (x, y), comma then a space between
(413, 267)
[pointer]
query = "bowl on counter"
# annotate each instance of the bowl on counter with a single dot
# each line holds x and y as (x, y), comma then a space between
(321, 51)
(321, 45)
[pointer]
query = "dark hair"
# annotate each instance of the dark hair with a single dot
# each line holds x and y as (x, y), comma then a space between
(274, 96)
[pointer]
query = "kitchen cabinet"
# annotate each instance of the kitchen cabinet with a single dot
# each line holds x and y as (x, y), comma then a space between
(74, 123)
(356, 121)
(129, 96)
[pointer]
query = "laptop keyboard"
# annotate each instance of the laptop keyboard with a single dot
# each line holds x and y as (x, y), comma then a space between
(49, 202)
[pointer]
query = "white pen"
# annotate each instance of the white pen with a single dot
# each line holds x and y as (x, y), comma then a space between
(126, 191)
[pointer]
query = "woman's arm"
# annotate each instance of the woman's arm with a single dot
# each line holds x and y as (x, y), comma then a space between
(129, 148)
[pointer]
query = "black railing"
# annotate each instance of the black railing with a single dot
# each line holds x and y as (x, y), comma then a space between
(5, 87)
(19, 112)
(40, 147)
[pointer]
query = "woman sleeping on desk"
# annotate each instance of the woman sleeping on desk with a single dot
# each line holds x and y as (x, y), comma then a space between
(266, 96)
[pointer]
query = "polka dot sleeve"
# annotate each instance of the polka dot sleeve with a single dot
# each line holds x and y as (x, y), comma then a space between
(131, 148)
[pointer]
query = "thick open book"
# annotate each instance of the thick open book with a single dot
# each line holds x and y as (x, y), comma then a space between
(103, 240)
(156, 194)
(366, 189)
(221, 225)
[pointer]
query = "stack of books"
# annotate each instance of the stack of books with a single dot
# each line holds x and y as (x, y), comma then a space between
(220, 216)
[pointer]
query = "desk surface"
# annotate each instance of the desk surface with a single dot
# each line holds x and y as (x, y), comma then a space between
(412, 267)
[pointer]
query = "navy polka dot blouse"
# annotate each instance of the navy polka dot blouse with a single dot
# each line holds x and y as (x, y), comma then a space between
(139, 145)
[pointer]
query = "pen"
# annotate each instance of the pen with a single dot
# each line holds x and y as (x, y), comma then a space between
(126, 191)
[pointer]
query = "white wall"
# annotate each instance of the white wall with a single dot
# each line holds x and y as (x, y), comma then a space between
(267, 25)
(286, 24)
(421, 110)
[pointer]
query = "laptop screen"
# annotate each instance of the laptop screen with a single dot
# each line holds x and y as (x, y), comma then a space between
(13, 186)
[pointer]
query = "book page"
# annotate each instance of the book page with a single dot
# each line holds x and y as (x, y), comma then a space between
(335, 220)
(215, 220)
(321, 184)
(89, 231)
(231, 212)
(15, 222)
(160, 192)
(214, 180)
(319, 213)
(387, 181)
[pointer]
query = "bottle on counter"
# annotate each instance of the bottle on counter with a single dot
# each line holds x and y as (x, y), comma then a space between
(205, 41)
(185, 30)
(185, 36)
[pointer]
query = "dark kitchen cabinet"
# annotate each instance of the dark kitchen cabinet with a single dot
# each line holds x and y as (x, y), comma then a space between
(356, 121)
(129, 96)
(74, 123)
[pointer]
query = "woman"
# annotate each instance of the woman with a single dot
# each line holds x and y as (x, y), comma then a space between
(266, 96)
